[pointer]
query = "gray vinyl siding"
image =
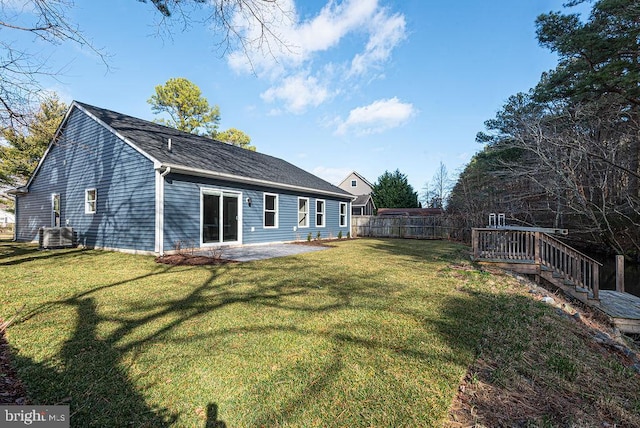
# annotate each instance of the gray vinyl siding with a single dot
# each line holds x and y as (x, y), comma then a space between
(362, 188)
(182, 213)
(89, 156)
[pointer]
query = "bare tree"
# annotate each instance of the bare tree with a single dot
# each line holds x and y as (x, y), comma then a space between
(574, 167)
(20, 70)
(243, 24)
(250, 25)
(436, 192)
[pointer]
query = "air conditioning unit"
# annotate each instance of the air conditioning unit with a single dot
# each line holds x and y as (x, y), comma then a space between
(56, 237)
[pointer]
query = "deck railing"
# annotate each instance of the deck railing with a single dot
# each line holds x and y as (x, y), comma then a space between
(503, 245)
(516, 246)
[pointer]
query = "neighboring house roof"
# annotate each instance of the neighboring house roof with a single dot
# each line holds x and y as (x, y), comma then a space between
(360, 177)
(410, 211)
(361, 201)
(364, 187)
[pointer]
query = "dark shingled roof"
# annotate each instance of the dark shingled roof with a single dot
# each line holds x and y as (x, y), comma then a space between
(361, 200)
(197, 152)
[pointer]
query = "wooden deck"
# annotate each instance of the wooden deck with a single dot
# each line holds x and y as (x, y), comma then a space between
(535, 253)
(622, 308)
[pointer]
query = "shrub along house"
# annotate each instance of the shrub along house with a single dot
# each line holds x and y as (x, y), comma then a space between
(128, 184)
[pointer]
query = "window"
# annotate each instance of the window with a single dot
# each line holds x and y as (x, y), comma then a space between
(55, 210)
(303, 212)
(319, 212)
(90, 201)
(270, 210)
(343, 214)
(354, 183)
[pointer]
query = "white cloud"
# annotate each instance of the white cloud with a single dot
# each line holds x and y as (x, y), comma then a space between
(390, 32)
(18, 6)
(297, 45)
(334, 22)
(61, 91)
(332, 175)
(292, 42)
(298, 93)
(377, 117)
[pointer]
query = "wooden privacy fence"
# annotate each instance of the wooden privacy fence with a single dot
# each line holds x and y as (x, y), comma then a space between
(551, 254)
(414, 227)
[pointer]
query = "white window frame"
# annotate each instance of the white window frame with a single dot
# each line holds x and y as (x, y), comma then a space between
(88, 202)
(306, 225)
(221, 193)
(324, 210)
(342, 216)
(275, 211)
(354, 183)
(55, 196)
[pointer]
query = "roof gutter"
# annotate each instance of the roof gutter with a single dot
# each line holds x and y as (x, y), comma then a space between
(18, 191)
(178, 169)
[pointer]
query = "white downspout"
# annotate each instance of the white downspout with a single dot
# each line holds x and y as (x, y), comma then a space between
(160, 211)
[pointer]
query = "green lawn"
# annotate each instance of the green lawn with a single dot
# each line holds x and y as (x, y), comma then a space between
(368, 333)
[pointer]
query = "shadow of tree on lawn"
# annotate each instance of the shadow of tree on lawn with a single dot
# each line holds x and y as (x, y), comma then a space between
(89, 374)
(92, 380)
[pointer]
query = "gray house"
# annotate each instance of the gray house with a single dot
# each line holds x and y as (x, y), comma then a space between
(128, 184)
(357, 185)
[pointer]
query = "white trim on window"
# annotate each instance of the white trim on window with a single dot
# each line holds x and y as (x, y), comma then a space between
(354, 183)
(303, 212)
(222, 194)
(266, 210)
(320, 212)
(55, 210)
(343, 214)
(90, 201)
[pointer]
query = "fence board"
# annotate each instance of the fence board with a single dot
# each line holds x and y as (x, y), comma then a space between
(415, 227)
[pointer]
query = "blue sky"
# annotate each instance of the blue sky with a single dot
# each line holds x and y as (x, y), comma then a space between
(365, 85)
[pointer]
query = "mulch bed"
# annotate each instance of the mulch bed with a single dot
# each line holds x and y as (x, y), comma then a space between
(191, 260)
(12, 390)
(321, 242)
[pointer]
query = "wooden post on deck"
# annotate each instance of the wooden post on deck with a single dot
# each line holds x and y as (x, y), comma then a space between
(620, 274)
(475, 244)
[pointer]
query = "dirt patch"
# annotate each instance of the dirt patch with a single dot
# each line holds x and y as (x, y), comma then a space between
(191, 260)
(12, 390)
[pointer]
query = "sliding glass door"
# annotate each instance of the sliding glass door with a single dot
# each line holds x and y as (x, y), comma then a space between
(220, 217)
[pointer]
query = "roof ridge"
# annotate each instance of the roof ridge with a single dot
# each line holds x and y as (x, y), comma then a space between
(202, 153)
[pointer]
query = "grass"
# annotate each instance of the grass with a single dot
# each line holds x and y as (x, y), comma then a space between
(367, 333)
(6, 234)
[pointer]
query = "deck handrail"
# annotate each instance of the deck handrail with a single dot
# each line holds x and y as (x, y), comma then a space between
(517, 246)
(573, 265)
